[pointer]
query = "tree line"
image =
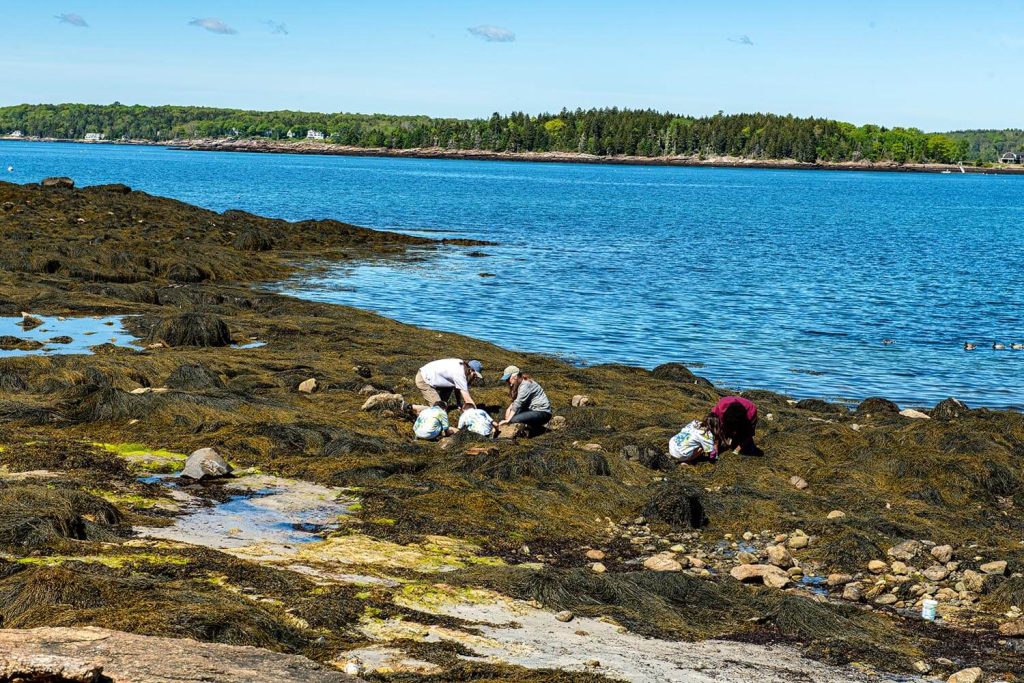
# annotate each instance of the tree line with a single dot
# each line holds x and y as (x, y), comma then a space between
(603, 132)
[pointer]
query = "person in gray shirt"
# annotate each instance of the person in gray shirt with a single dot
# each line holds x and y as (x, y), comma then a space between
(530, 405)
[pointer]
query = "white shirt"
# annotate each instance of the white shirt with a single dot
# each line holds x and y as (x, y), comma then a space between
(476, 420)
(445, 374)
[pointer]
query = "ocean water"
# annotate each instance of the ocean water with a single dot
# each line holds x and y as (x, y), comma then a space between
(779, 279)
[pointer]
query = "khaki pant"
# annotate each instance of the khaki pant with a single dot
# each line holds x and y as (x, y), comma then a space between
(432, 394)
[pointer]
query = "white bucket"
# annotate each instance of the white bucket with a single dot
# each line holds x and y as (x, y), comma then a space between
(928, 609)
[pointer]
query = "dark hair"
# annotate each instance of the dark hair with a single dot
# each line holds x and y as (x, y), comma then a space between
(440, 404)
(736, 426)
(513, 390)
(713, 424)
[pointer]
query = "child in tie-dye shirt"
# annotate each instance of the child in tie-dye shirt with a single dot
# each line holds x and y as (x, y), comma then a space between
(701, 439)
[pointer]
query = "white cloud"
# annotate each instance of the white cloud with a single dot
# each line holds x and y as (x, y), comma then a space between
(493, 34)
(276, 27)
(72, 19)
(742, 40)
(213, 25)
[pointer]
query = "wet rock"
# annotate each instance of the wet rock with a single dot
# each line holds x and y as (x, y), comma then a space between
(877, 405)
(836, 514)
(206, 463)
(779, 556)
(58, 181)
(393, 402)
(663, 563)
(997, 568)
(905, 551)
(581, 400)
(943, 553)
(556, 424)
(596, 555)
(767, 574)
(972, 675)
(515, 430)
(950, 409)
(29, 322)
(565, 616)
(308, 386)
(89, 654)
(798, 482)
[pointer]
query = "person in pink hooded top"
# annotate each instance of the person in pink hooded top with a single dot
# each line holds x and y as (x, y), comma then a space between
(739, 421)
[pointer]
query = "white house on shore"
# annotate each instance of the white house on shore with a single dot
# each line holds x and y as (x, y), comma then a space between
(94, 137)
(290, 134)
(16, 134)
(314, 134)
(1012, 158)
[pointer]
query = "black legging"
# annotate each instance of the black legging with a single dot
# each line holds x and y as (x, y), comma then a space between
(534, 419)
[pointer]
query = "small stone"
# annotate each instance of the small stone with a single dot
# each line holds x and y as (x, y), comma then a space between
(308, 386)
(838, 579)
(795, 572)
(580, 401)
(695, 562)
(598, 568)
(852, 592)
(836, 514)
(972, 675)
(900, 568)
(513, 431)
(663, 563)
(556, 424)
(921, 666)
(914, 414)
(779, 556)
(798, 482)
(886, 599)
(747, 536)
(877, 566)
(935, 573)
(905, 551)
(384, 402)
(943, 553)
(1012, 629)
(596, 555)
(565, 616)
(797, 542)
(996, 568)
(744, 557)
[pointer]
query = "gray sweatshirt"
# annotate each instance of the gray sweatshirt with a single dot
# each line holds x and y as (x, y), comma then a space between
(531, 397)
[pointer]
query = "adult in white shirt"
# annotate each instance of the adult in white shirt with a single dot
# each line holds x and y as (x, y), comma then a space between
(438, 379)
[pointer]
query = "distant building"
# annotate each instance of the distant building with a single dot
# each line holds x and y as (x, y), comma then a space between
(235, 132)
(16, 134)
(1012, 158)
(290, 134)
(94, 137)
(314, 134)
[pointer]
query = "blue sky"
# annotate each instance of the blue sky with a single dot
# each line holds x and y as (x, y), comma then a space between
(936, 65)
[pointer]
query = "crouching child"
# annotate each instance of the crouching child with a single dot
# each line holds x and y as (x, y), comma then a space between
(478, 421)
(698, 441)
(432, 422)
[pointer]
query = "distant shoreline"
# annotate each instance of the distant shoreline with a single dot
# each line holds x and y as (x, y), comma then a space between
(263, 146)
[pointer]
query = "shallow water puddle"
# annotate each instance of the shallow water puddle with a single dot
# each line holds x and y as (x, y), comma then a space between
(266, 518)
(56, 335)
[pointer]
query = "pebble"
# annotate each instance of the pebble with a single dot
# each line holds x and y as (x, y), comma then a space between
(936, 573)
(852, 592)
(900, 568)
(943, 553)
(886, 599)
(746, 558)
(565, 616)
(798, 482)
(596, 555)
(839, 579)
(797, 542)
(998, 567)
(877, 566)
(836, 514)
(598, 568)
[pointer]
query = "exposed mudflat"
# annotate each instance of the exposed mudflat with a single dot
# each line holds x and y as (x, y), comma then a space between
(353, 540)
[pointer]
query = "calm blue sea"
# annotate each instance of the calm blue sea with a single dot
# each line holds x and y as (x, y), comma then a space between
(788, 280)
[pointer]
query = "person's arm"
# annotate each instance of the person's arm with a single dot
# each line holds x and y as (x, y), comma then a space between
(514, 407)
(461, 381)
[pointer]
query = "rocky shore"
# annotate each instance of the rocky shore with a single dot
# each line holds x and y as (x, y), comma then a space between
(579, 555)
(264, 145)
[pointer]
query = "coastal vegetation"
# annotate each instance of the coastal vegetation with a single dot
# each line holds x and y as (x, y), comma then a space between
(602, 132)
(850, 520)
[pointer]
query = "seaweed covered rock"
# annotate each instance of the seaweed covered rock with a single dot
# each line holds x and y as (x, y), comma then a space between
(818, 406)
(191, 329)
(252, 239)
(949, 409)
(877, 405)
(677, 372)
(34, 516)
(678, 504)
(194, 377)
(58, 181)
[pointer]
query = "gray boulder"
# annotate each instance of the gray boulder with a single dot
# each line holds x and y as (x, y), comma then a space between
(58, 181)
(206, 463)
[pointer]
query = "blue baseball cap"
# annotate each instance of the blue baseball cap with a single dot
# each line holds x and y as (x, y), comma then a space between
(476, 366)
